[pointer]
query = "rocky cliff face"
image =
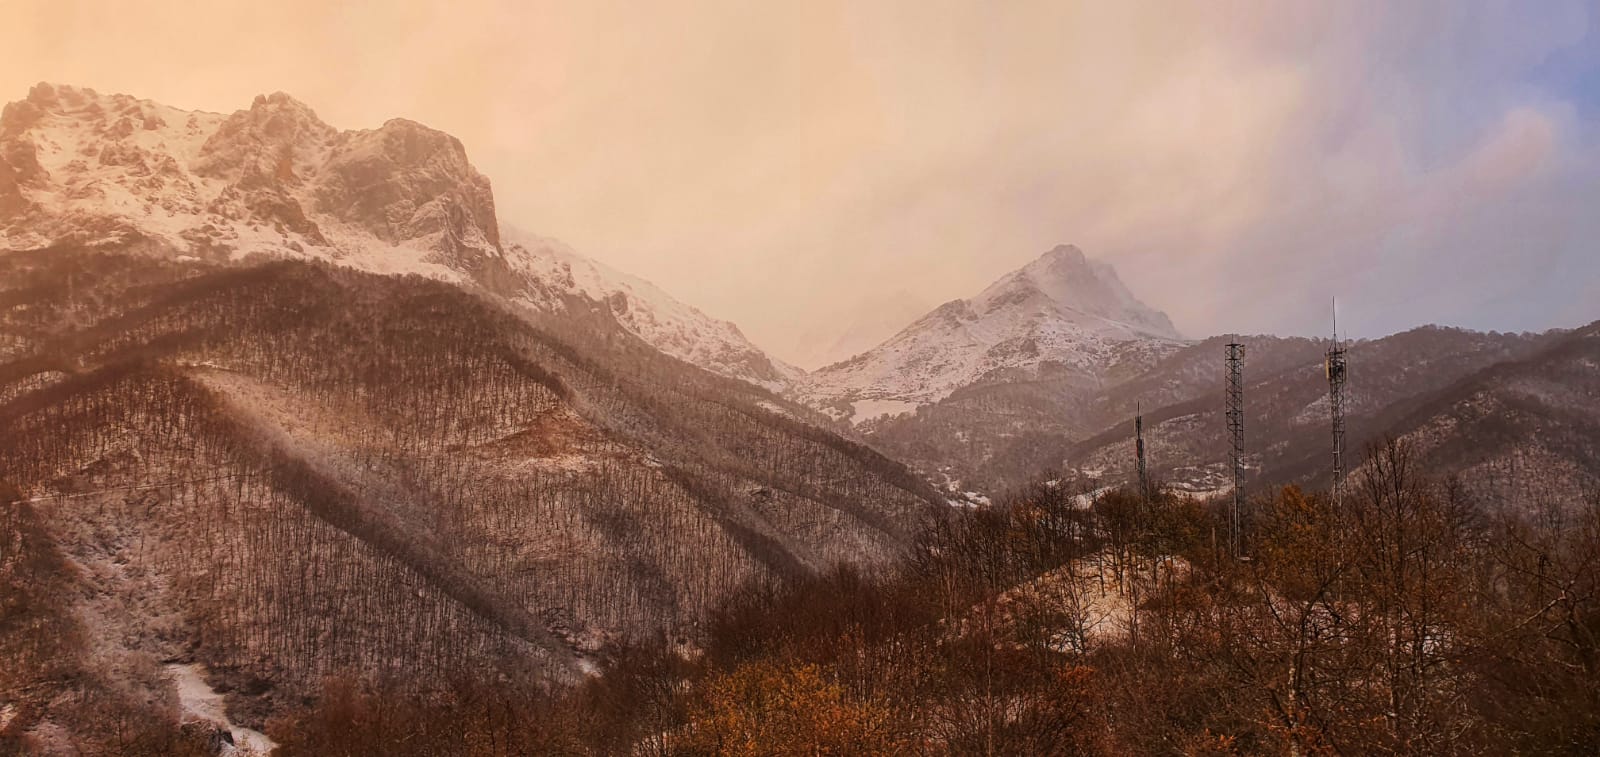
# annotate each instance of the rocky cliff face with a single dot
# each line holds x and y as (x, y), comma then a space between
(405, 182)
(85, 168)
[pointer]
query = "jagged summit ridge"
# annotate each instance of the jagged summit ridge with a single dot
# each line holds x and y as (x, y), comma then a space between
(1063, 310)
(86, 168)
(278, 139)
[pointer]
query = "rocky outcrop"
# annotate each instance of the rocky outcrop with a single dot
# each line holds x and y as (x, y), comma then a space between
(406, 182)
(18, 166)
(19, 159)
(276, 141)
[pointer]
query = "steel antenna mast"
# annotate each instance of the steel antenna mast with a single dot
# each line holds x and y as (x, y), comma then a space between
(1335, 368)
(1234, 407)
(1138, 445)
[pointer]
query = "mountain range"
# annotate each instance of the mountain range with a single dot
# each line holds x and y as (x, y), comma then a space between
(280, 400)
(83, 168)
(979, 394)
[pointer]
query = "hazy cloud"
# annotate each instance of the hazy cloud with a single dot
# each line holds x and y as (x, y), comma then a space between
(783, 164)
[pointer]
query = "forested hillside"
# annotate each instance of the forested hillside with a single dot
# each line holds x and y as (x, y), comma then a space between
(1004, 431)
(1408, 617)
(1523, 403)
(290, 470)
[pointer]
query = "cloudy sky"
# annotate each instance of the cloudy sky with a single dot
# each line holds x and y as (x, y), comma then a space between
(802, 168)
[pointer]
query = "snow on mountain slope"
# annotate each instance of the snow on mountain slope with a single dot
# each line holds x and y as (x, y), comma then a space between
(645, 310)
(80, 167)
(84, 168)
(1062, 309)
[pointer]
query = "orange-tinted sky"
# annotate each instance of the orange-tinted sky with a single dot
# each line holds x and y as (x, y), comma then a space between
(800, 167)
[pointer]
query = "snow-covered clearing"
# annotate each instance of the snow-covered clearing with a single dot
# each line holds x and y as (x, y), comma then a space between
(866, 410)
(202, 703)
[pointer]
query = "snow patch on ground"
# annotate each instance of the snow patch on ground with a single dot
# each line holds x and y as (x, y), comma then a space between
(866, 410)
(202, 703)
(1086, 500)
(778, 409)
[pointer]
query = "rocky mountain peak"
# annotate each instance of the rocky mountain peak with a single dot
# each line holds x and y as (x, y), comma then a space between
(21, 115)
(405, 181)
(47, 95)
(1061, 254)
(271, 178)
(278, 138)
(1062, 312)
(1081, 288)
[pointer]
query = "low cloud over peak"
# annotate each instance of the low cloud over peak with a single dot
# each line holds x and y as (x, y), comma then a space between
(782, 167)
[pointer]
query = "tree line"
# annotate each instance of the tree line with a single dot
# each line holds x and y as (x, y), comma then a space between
(1403, 619)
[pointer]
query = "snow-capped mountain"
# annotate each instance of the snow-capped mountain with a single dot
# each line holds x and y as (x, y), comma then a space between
(82, 168)
(1062, 310)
